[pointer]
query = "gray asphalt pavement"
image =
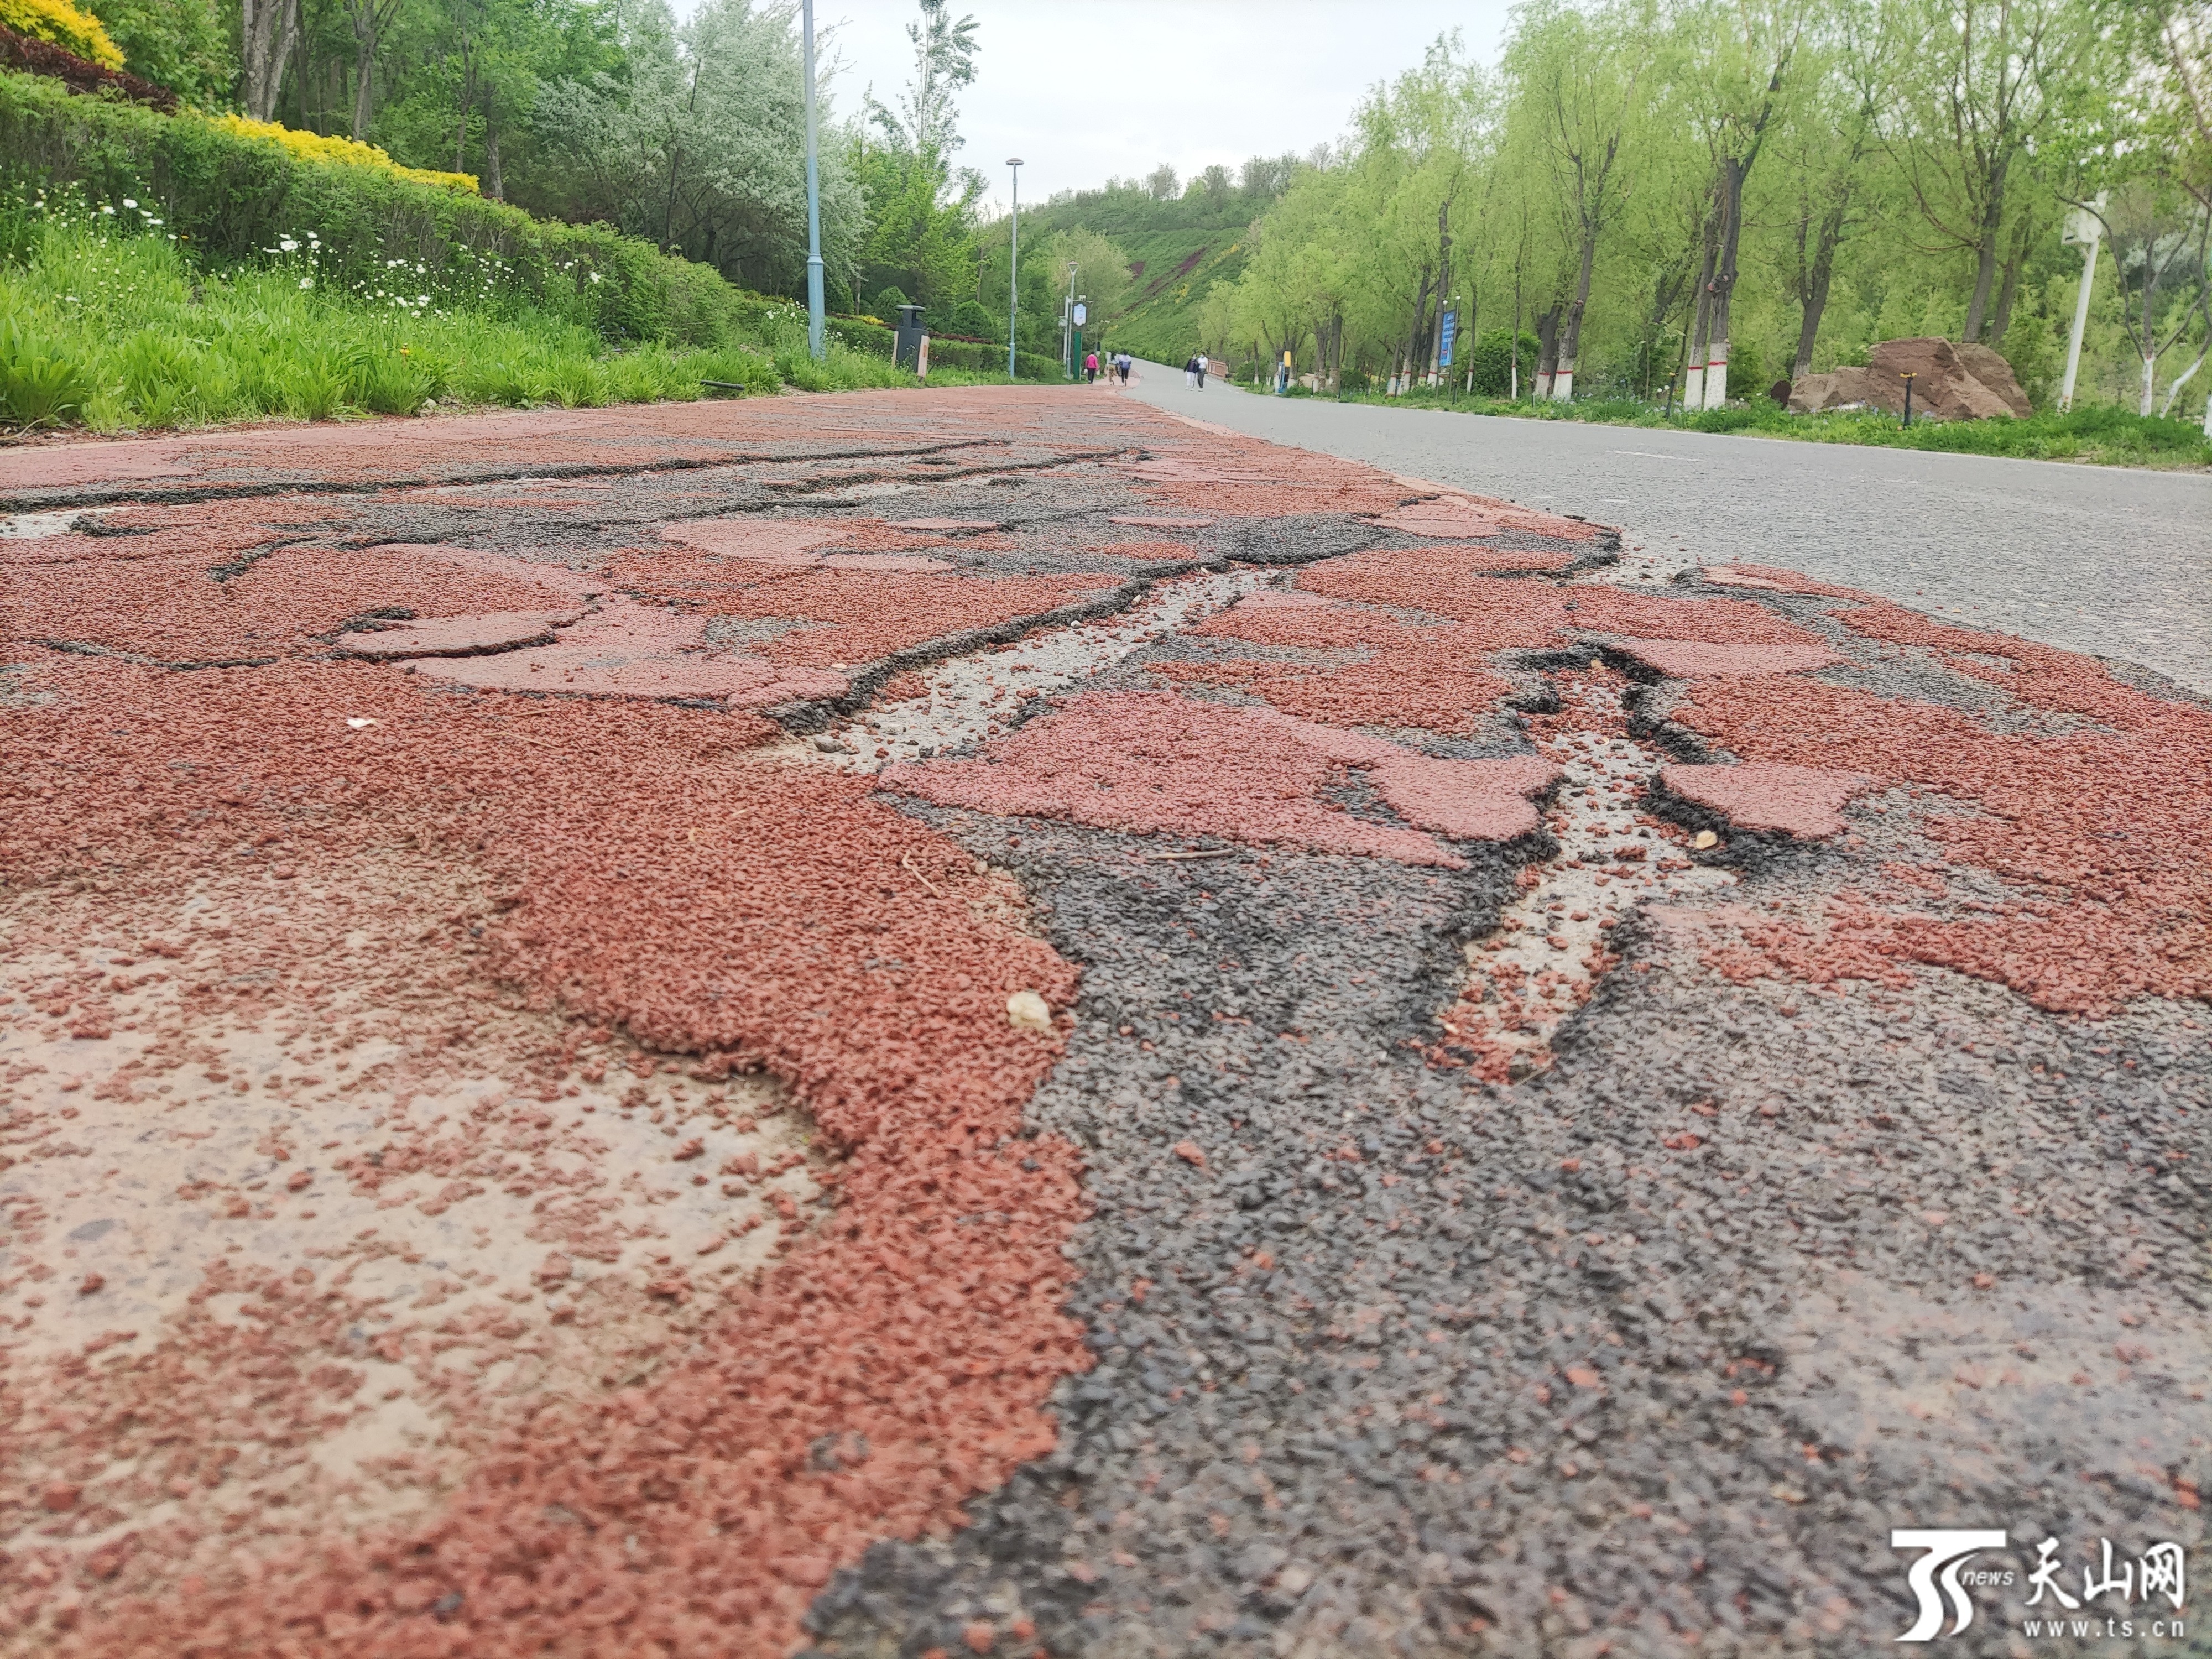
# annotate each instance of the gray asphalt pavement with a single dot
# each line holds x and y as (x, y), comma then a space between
(2111, 560)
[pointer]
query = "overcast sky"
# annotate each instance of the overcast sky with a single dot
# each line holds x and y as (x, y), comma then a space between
(1083, 90)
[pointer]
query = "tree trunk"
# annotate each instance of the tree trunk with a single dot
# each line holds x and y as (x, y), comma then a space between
(268, 28)
(364, 68)
(1547, 350)
(2149, 385)
(1421, 325)
(494, 186)
(1693, 377)
(1985, 256)
(2008, 290)
(1562, 386)
(1816, 291)
(1717, 345)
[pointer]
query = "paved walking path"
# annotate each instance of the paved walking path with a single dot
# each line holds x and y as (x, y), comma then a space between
(987, 1021)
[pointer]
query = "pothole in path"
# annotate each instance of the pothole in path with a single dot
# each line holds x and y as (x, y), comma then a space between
(973, 698)
(1551, 944)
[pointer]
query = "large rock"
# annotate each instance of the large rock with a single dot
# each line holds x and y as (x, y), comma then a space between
(1950, 382)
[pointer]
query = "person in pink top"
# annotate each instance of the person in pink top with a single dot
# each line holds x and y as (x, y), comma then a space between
(1091, 367)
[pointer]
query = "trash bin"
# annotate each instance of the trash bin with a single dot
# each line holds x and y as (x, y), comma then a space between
(912, 348)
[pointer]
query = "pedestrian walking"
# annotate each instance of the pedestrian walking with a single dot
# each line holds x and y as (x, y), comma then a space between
(1090, 368)
(1127, 363)
(1189, 374)
(1202, 367)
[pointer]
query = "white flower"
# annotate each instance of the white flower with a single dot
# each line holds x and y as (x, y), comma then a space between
(422, 299)
(306, 281)
(107, 209)
(153, 220)
(287, 245)
(128, 203)
(595, 276)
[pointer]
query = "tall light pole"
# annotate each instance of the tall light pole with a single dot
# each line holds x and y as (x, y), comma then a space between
(1067, 323)
(2085, 226)
(1014, 266)
(816, 347)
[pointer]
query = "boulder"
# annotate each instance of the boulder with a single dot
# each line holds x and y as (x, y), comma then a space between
(1951, 382)
(1844, 388)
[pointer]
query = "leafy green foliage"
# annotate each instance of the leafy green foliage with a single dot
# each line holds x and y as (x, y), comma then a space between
(113, 326)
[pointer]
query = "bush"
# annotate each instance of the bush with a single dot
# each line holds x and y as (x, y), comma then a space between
(183, 45)
(35, 56)
(236, 197)
(886, 304)
(1491, 357)
(62, 23)
(969, 317)
(342, 152)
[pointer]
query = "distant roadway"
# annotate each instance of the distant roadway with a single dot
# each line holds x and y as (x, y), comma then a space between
(2111, 560)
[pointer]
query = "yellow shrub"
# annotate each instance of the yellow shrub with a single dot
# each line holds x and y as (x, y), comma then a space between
(64, 25)
(316, 147)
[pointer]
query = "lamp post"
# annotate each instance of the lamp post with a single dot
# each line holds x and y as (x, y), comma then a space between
(1014, 265)
(1067, 323)
(2085, 226)
(816, 347)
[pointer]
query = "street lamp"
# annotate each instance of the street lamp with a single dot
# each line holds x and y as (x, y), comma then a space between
(1013, 265)
(1067, 323)
(816, 347)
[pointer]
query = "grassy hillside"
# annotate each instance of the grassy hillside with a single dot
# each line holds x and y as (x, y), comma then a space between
(1177, 250)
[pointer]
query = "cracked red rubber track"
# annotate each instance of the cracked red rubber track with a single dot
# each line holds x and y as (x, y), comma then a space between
(670, 869)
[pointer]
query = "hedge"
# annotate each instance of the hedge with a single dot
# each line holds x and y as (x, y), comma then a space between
(235, 199)
(866, 334)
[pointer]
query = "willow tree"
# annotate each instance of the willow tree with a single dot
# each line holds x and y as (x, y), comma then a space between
(1577, 79)
(1971, 99)
(1738, 61)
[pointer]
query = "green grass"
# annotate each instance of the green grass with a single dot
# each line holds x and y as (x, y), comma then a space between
(2104, 434)
(109, 326)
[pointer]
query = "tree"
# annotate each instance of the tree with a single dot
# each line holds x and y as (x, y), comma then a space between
(1163, 183)
(183, 44)
(1971, 99)
(944, 64)
(922, 211)
(1826, 144)
(267, 30)
(1739, 58)
(1580, 75)
(703, 148)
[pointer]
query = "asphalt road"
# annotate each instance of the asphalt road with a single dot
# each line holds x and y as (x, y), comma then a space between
(2111, 560)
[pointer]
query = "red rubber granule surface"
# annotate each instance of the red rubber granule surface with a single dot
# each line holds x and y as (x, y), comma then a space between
(1798, 800)
(1152, 763)
(861, 615)
(2099, 834)
(789, 922)
(154, 595)
(1691, 660)
(1382, 672)
(1503, 613)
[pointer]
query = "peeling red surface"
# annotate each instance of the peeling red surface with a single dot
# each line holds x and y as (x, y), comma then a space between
(161, 596)
(685, 1512)
(1693, 659)
(1144, 523)
(1152, 763)
(1502, 613)
(1377, 671)
(1771, 578)
(456, 636)
(635, 650)
(2097, 835)
(1797, 800)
